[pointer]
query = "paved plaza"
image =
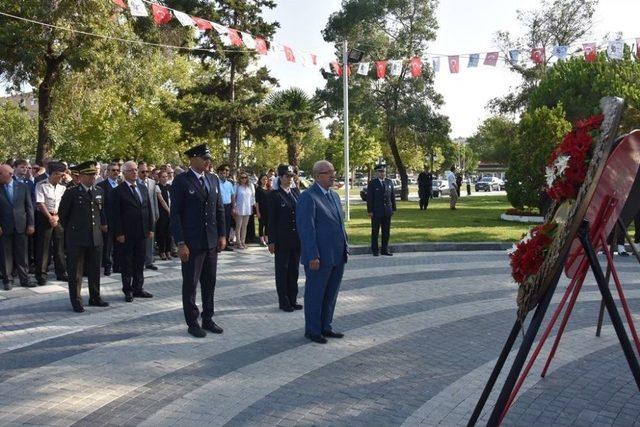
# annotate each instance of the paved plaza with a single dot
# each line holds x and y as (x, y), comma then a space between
(423, 331)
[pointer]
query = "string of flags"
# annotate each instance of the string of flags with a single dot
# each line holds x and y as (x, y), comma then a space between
(414, 66)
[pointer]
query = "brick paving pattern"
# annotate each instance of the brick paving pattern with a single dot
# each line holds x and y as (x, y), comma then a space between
(423, 331)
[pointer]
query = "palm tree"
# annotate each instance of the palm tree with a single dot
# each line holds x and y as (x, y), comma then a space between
(291, 114)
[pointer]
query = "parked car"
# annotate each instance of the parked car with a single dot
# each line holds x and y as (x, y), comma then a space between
(489, 183)
(396, 192)
(439, 188)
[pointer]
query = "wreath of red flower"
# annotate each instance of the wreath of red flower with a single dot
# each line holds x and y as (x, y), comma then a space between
(529, 254)
(577, 144)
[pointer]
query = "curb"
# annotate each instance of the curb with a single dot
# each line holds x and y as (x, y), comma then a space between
(437, 247)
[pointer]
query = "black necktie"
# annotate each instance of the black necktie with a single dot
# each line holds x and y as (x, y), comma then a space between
(204, 187)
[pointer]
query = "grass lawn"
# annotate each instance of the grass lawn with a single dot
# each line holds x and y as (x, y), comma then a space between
(477, 219)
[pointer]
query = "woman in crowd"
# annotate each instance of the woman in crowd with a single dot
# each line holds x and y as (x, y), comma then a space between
(163, 238)
(262, 208)
(245, 199)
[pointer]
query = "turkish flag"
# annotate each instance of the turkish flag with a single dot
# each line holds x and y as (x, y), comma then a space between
(537, 55)
(288, 53)
(161, 14)
(120, 3)
(314, 59)
(491, 59)
(235, 38)
(590, 53)
(203, 24)
(381, 69)
(416, 66)
(454, 64)
(337, 69)
(261, 46)
(637, 53)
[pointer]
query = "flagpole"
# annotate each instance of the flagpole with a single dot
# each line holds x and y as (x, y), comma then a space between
(345, 91)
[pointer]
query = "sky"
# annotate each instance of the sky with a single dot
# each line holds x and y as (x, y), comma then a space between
(465, 26)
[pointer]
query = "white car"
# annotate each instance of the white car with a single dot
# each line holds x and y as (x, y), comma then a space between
(439, 187)
(489, 183)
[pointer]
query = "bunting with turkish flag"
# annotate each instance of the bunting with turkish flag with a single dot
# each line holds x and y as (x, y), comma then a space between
(454, 63)
(537, 55)
(514, 56)
(637, 52)
(435, 62)
(137, 8)
(363, 68)
(381, 69)
(590, 53)
(223, 33)
(337, 69)
(234, 36)
(120, 3)
(161, 14)
(261, 46)
(416, 66)
(248, 40)
(491, 59)
(288, 53)
(314, 59)
(202, 24)
(183, 18)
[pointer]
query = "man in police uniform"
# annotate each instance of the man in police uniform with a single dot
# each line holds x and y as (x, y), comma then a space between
(82, 216)
(198, 228)
(283, 239)
(381, 203)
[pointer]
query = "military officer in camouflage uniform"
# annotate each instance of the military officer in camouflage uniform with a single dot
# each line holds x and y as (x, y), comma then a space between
(82, 215)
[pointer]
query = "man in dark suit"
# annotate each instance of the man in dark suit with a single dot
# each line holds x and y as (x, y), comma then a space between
(21, 172)
(198, 228)
(425, 187)
(324, 251)
(283, 239)
(132, 227)
(82, 216)
(109, 255)
(381, 203)
(16, 223)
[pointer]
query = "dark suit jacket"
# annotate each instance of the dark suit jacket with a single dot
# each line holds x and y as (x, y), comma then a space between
(381, 201)
(132, 218)
(16, 215)
(81, 215)
(425, 183)
(282, 227)
(196, 218)
(108, 191)
(321, 228)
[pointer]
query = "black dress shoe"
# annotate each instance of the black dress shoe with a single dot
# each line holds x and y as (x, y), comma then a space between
(142, 294)
(316, 338)
(297, 306)
(41, 282)
(625, 253)
(28, 285)
(151, 267)
(7, 286)
(286, 308)
(78, 308)
(331, 334)
(387, 253)
(228, 248)
(212, 327)
(128, 297)
(107, 271)
(197, 331)
(98, 302)
(375, 254)
(64, 278)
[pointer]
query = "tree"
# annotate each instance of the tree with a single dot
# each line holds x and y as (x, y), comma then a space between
(364, 146)
(385, 29)
(555, 23)
(493, 139)
(540, 131)
(18, 132)
(315, 146)
(579, 85)
(290, 114)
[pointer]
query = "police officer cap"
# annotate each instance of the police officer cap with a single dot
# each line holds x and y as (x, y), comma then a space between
(201, 150)
(381, 166)
(285, 170)
(56, 167)
(86, 168)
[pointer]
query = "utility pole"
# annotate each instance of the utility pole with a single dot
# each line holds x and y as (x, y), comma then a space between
(345, 91)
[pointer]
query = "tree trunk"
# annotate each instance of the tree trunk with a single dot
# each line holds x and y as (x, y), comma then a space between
(391, 140)
(293, 152)
(45, 105)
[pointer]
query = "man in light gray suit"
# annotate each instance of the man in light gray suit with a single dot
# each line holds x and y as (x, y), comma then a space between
(143, 176)
(16, 223)
(324, 251)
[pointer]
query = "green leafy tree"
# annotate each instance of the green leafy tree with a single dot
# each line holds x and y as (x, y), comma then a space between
(553, 23)
(364, 146)
(315, 147)
(269, 153)
(18, 132)
(540, 131)
(385, 29)
(493, 139)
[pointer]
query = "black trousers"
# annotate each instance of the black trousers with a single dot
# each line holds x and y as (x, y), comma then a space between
(378, 222)
(49, 240)
(110, 255)
(201, 267)
(77, 257)
(227, 220)
(132, 258)
(14, 248)
(251, 229)
(287, 263)
(163, 237)
(424, 200)
(262, 225)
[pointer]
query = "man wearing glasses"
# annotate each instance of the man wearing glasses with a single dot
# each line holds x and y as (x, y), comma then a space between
(323, 241)
(109, 255)
(228, 194)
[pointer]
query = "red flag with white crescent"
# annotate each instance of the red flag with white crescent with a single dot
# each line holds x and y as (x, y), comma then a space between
(454, 64)
(537, 55)
(491, 59)
(161, 14)
(120, 3)
(416, 66)
(261, 46)
(288, 53)
(202, 24)
(314, 59)
(637, 52)
(337, 69)
(235, 38)
(381, 69)
(590, 53)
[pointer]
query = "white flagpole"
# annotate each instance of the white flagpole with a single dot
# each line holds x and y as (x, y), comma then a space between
(345, 91)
